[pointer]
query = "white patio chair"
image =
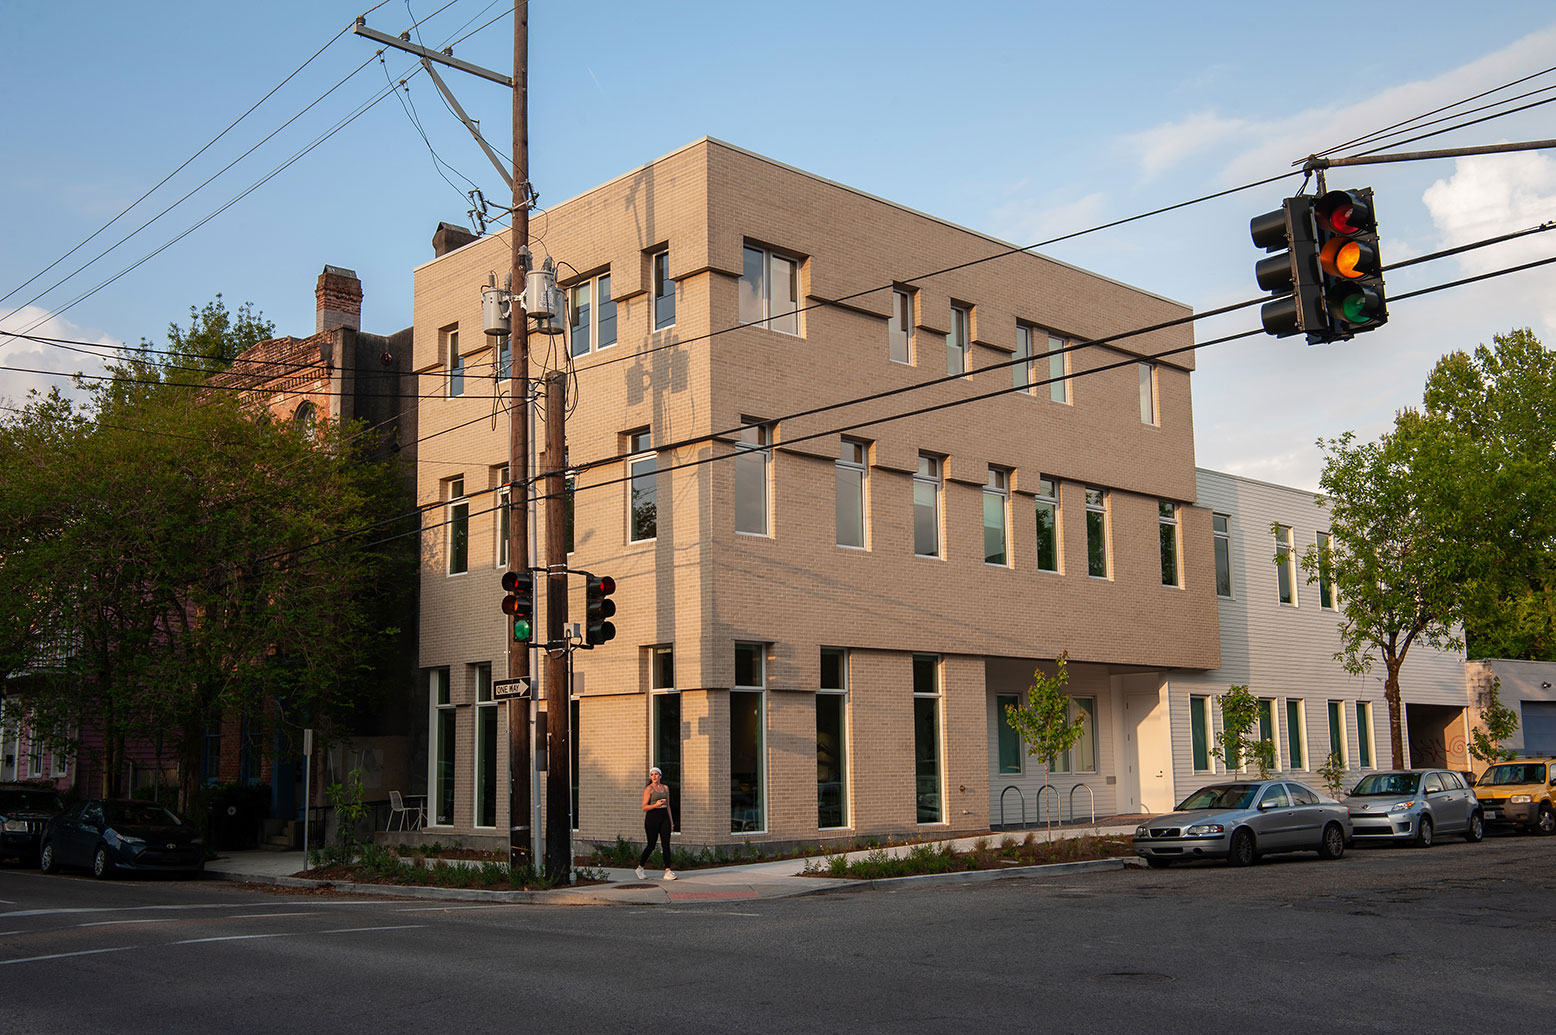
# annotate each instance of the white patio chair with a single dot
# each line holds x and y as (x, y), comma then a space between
(410, 816)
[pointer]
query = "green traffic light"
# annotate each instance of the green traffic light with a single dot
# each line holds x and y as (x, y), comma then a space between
(521, 630)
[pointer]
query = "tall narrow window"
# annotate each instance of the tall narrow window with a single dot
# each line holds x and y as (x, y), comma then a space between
(485, 748)
(1058, 368)
(926, 507)
(504, 369)
(851, 474)
(504, 496)
(1047, 525)
(1199, 732)
(666, 732)
(1326, 592)
(457, 511)
(664, 291)
(899, 330)
(643, 495)
(1285, 566)
(1364, 734)
(1167, 523)
(593, 323)
(568, 486)
(581, 327)
(752, 459)
(1023, 375)
(959, 341)
(456, 366)
(926, 739)
(1296, 733)
(1148, 407)
(770, 291)
(996, 503)
(1009, 737)
(1222, 539)
(574, 739)
(443, 744)
(1267, 720)
(1084, 754)
(832, 740)
(1337, 730)
(1096, 534)
(747, 710)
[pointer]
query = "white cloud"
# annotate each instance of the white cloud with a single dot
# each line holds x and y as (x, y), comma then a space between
(38, 356)
(1162, 147)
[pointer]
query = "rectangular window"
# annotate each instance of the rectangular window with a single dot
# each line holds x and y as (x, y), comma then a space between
(664, 291)
(574, 737)
(1337, 730)
(1167, 523)
(456, 365)
(1222, 540)
(61, 765)
(1199, 726)
(1327, 597)
(443, 744)
(1009, 737)
(770, 291)
(569, 485)
(485, 748)
(643, 485)
(666, 720)
(926, 507)
(959, 342)
(1364, 743)
(504, 496)
(746, 721)
(1023, 375)
(832, 740)
(1285, 566)
(593, 323)
(1083, 755)
(899, 330)
(504, 370)
(1267, 720)
(457, 516)
(752, 460)
(1147, 392)
(1058, 370)
(34, 757)
(852, 470)
(1296, 734)
(926, 739)
(1096, 534)
(1047, 525)
(996, 504)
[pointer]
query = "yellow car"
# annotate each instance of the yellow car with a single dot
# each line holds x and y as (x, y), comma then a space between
(1519, 794)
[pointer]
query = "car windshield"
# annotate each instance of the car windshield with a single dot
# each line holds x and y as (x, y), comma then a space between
(1227, 796)
(1388, 784)
(142, 813)
(37, 801)
(1514, 772)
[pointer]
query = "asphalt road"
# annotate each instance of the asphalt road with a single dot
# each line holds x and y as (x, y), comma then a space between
(1455, 938)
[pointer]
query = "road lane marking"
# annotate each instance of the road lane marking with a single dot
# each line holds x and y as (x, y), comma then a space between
(148, 920)
(66, 955)
(235, 938)
(353, 930)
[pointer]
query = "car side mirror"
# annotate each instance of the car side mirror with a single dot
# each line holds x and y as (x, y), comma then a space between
(1265, 805)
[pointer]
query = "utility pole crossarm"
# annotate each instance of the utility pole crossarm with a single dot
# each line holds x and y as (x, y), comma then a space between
(397, 43)
(470, 124)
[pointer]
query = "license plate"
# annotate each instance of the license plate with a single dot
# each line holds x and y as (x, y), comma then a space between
(1491, 813)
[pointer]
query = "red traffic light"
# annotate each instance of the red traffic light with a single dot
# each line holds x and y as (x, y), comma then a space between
(1343, 212)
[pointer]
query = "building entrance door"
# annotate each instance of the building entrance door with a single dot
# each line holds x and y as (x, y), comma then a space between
(1147, 783)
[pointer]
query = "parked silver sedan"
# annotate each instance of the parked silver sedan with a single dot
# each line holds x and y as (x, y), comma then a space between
(1415, 805)
(1239, 822)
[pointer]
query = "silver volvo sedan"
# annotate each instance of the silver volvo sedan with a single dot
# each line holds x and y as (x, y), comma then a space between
(1240, 822)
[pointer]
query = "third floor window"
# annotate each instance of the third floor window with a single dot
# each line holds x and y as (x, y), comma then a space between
(770, 291)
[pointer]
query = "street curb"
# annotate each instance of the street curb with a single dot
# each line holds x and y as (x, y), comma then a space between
(978, 876)
(568, 898)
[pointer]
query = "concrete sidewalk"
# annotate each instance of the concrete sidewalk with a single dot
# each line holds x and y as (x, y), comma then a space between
(730, 884)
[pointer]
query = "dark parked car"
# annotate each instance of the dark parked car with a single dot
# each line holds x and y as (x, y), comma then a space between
(1239, 822)
(24, 812)
(108, 836)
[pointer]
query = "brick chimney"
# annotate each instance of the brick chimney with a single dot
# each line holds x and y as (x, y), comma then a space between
(448, 237)
(339, 300)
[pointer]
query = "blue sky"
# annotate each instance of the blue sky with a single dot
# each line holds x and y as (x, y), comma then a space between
(1024, 121)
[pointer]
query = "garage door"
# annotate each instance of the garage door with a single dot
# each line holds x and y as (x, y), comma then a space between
(1539, 726)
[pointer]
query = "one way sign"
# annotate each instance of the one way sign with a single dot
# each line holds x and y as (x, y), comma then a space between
(502, 689)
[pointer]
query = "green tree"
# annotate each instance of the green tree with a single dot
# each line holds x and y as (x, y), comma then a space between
(1044, 723)
(1497, 723)
(1238, 738)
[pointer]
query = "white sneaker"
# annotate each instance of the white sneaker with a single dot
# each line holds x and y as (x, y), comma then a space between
(641, 874)
(669, 875)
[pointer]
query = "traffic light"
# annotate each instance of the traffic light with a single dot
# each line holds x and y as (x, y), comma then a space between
(1293, 273)
(1348, 259)
(520, 603)
(598, 608)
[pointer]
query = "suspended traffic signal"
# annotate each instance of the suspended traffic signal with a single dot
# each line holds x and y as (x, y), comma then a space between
(1291, 274)
(598, 608)
(520, 603)
(1349, 262)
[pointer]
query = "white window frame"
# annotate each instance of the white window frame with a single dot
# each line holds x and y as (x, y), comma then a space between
(593, 285)
(1058, 371)
(504, 489)
(1366, 736)
(1023, 376)
(641, 451)
(1088, 734)
(958, 341)
(938, 696)
(1285, 564)
(455, 362)
(485, 708)
(1275, 727)
(1334, 710)
(754, 445)
(996, 489)
(933, 478)
(1328, 596)
(1048, 496)
(1150, 402)
(456, 509)
(440, 700)
(1199, 712)
(1167, 521)
(853, 461)
(661, 287)
(1297, 705)
(1221, 545)
(1097, 503)
(764, 313)
(899, 327)
(845, 734)
(760, 690)
(1001, 723)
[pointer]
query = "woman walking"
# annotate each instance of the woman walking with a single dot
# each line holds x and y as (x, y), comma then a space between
(656, 820)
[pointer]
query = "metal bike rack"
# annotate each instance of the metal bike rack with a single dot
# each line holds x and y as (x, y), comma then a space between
(1021, 797)
(1089, 794)
(1053, 809)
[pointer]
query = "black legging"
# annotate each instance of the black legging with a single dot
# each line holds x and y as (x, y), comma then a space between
(656, 825)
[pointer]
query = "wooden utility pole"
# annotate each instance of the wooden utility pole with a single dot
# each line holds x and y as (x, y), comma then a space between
(559, 783)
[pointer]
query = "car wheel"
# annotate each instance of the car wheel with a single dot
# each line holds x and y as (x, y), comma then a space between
(1157, 864)
(1242, 851)
(102, 866)
(1477, 828)
(1546, 824)
(1423, 833)
(1333, 844)
(46, 860)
